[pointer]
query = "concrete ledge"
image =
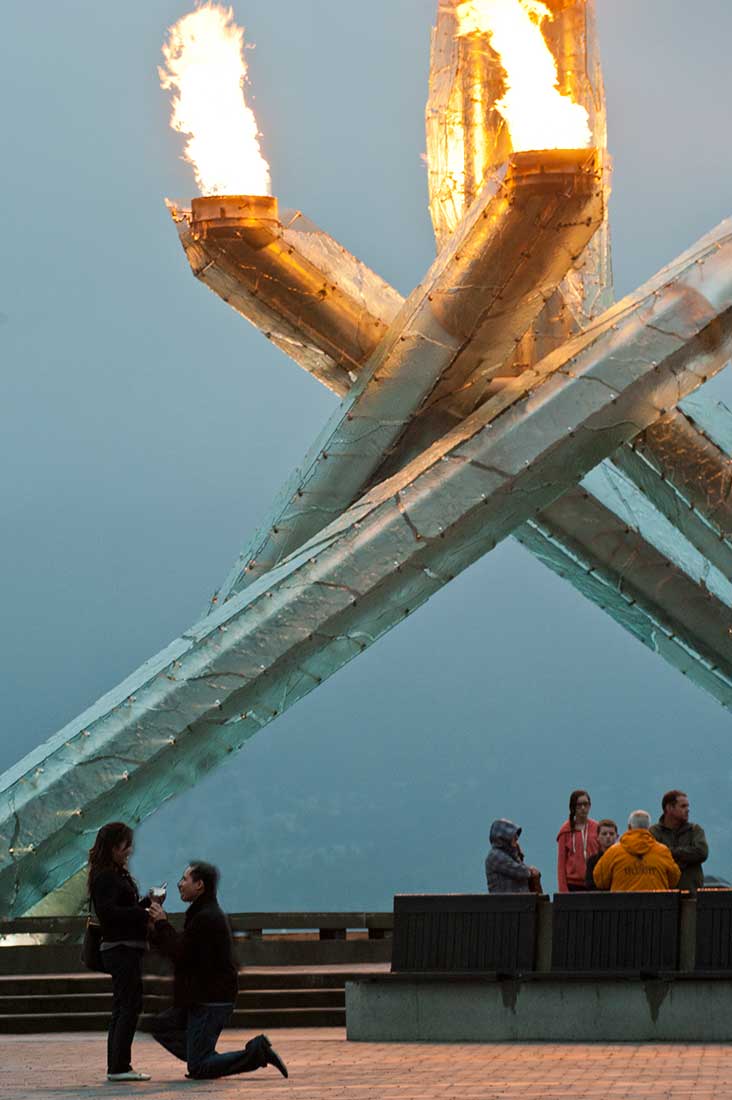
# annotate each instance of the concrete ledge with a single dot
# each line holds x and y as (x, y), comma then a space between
(285, 950)
(546, 1008)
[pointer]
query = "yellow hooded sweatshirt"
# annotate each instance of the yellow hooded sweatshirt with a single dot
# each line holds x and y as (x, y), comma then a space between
(637, 862)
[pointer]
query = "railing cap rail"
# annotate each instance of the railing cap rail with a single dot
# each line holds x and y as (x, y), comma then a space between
(240, 922)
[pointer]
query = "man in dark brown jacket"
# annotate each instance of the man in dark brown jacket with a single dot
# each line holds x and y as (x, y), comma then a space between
(205, 984)
(686, 841)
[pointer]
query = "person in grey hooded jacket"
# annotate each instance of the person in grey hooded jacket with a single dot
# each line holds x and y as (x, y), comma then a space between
(505, 870)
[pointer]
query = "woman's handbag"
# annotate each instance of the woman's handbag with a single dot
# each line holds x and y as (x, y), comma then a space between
(91, 954)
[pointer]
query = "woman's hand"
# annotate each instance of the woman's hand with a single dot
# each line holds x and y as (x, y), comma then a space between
(156, 911)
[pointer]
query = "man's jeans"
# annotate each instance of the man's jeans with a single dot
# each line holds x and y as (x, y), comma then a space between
(191, 1034)
(125, 966)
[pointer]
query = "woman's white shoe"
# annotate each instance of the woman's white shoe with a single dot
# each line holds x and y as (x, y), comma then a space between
(130, 1075)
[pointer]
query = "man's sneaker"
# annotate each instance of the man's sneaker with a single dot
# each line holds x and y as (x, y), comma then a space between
(130, 1075)
(273, 1058)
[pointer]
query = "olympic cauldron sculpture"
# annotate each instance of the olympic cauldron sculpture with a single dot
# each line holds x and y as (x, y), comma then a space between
(506, 396)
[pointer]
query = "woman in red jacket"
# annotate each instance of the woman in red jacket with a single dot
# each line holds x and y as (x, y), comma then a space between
(576, 842)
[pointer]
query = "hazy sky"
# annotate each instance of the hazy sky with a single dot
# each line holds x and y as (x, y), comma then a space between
(144, 428)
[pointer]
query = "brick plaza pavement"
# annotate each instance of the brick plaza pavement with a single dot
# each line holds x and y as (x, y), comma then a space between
(323, 1066)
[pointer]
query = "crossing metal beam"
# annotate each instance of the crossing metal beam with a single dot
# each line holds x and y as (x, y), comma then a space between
(678, 467)
(483, 292)
(683, 618)
(239, 668)
(304, 291)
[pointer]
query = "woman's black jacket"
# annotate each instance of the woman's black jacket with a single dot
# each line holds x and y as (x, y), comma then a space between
(202, 955)
(118, 907)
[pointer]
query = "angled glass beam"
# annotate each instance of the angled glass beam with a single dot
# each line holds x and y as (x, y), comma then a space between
(645, 592)
(712, 418)
(468, 143)
(303, 290)
(689, 480)
(614, 489)
(482, 293)
(239, 668)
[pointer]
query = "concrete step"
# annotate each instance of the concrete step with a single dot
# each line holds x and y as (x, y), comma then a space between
(61, 984)
(72, 1004)
(72, 985)
(269, 997)
(274, 951)
(248, 1020)
(37, 984)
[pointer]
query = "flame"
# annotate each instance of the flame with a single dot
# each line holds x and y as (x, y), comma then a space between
(537, 114)
(206, 70)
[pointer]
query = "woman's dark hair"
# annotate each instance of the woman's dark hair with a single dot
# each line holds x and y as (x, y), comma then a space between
(100, 854)
(207, 874)
(573, 799)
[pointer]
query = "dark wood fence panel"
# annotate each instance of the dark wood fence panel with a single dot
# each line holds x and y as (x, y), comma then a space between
(464, 932)
(615, 932)
(714, 930)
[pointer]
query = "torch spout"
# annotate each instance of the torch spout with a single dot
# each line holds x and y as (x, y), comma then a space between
(251, 218)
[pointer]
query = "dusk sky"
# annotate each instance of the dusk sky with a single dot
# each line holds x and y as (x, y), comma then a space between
(145, 427)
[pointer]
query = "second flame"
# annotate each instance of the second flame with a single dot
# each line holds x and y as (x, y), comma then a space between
(205, 69)
(537, 114)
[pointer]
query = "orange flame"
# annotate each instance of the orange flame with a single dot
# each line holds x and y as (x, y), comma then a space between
(537, 114)
(206, 70)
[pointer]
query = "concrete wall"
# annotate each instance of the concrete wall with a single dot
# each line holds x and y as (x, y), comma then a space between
(552, 1009)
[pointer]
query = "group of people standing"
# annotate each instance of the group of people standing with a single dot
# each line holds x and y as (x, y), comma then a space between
(205, 970)
(591, 856)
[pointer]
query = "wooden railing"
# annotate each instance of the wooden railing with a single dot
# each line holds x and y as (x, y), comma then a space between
(596, 933)
(330, 926)
(262, 939)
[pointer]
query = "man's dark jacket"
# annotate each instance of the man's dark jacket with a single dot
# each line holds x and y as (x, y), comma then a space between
(118, 907)
(592, 862)
(202, 955)
(689, 848)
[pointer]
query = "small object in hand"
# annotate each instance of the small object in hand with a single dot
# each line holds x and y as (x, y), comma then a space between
(159, 893)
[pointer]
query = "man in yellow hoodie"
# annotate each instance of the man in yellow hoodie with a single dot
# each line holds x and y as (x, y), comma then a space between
(637, 862)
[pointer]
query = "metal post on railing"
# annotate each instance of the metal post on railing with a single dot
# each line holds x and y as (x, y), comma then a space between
(687, 934)
(544, 928)
(332, 933)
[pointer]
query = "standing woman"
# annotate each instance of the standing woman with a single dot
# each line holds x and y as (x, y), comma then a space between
(124, 924)
(576, 842)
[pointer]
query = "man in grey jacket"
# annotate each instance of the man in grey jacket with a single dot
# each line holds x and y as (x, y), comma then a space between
(505, 870)
(686, 841)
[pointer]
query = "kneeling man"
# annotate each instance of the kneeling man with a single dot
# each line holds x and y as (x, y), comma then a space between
(205, 984)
